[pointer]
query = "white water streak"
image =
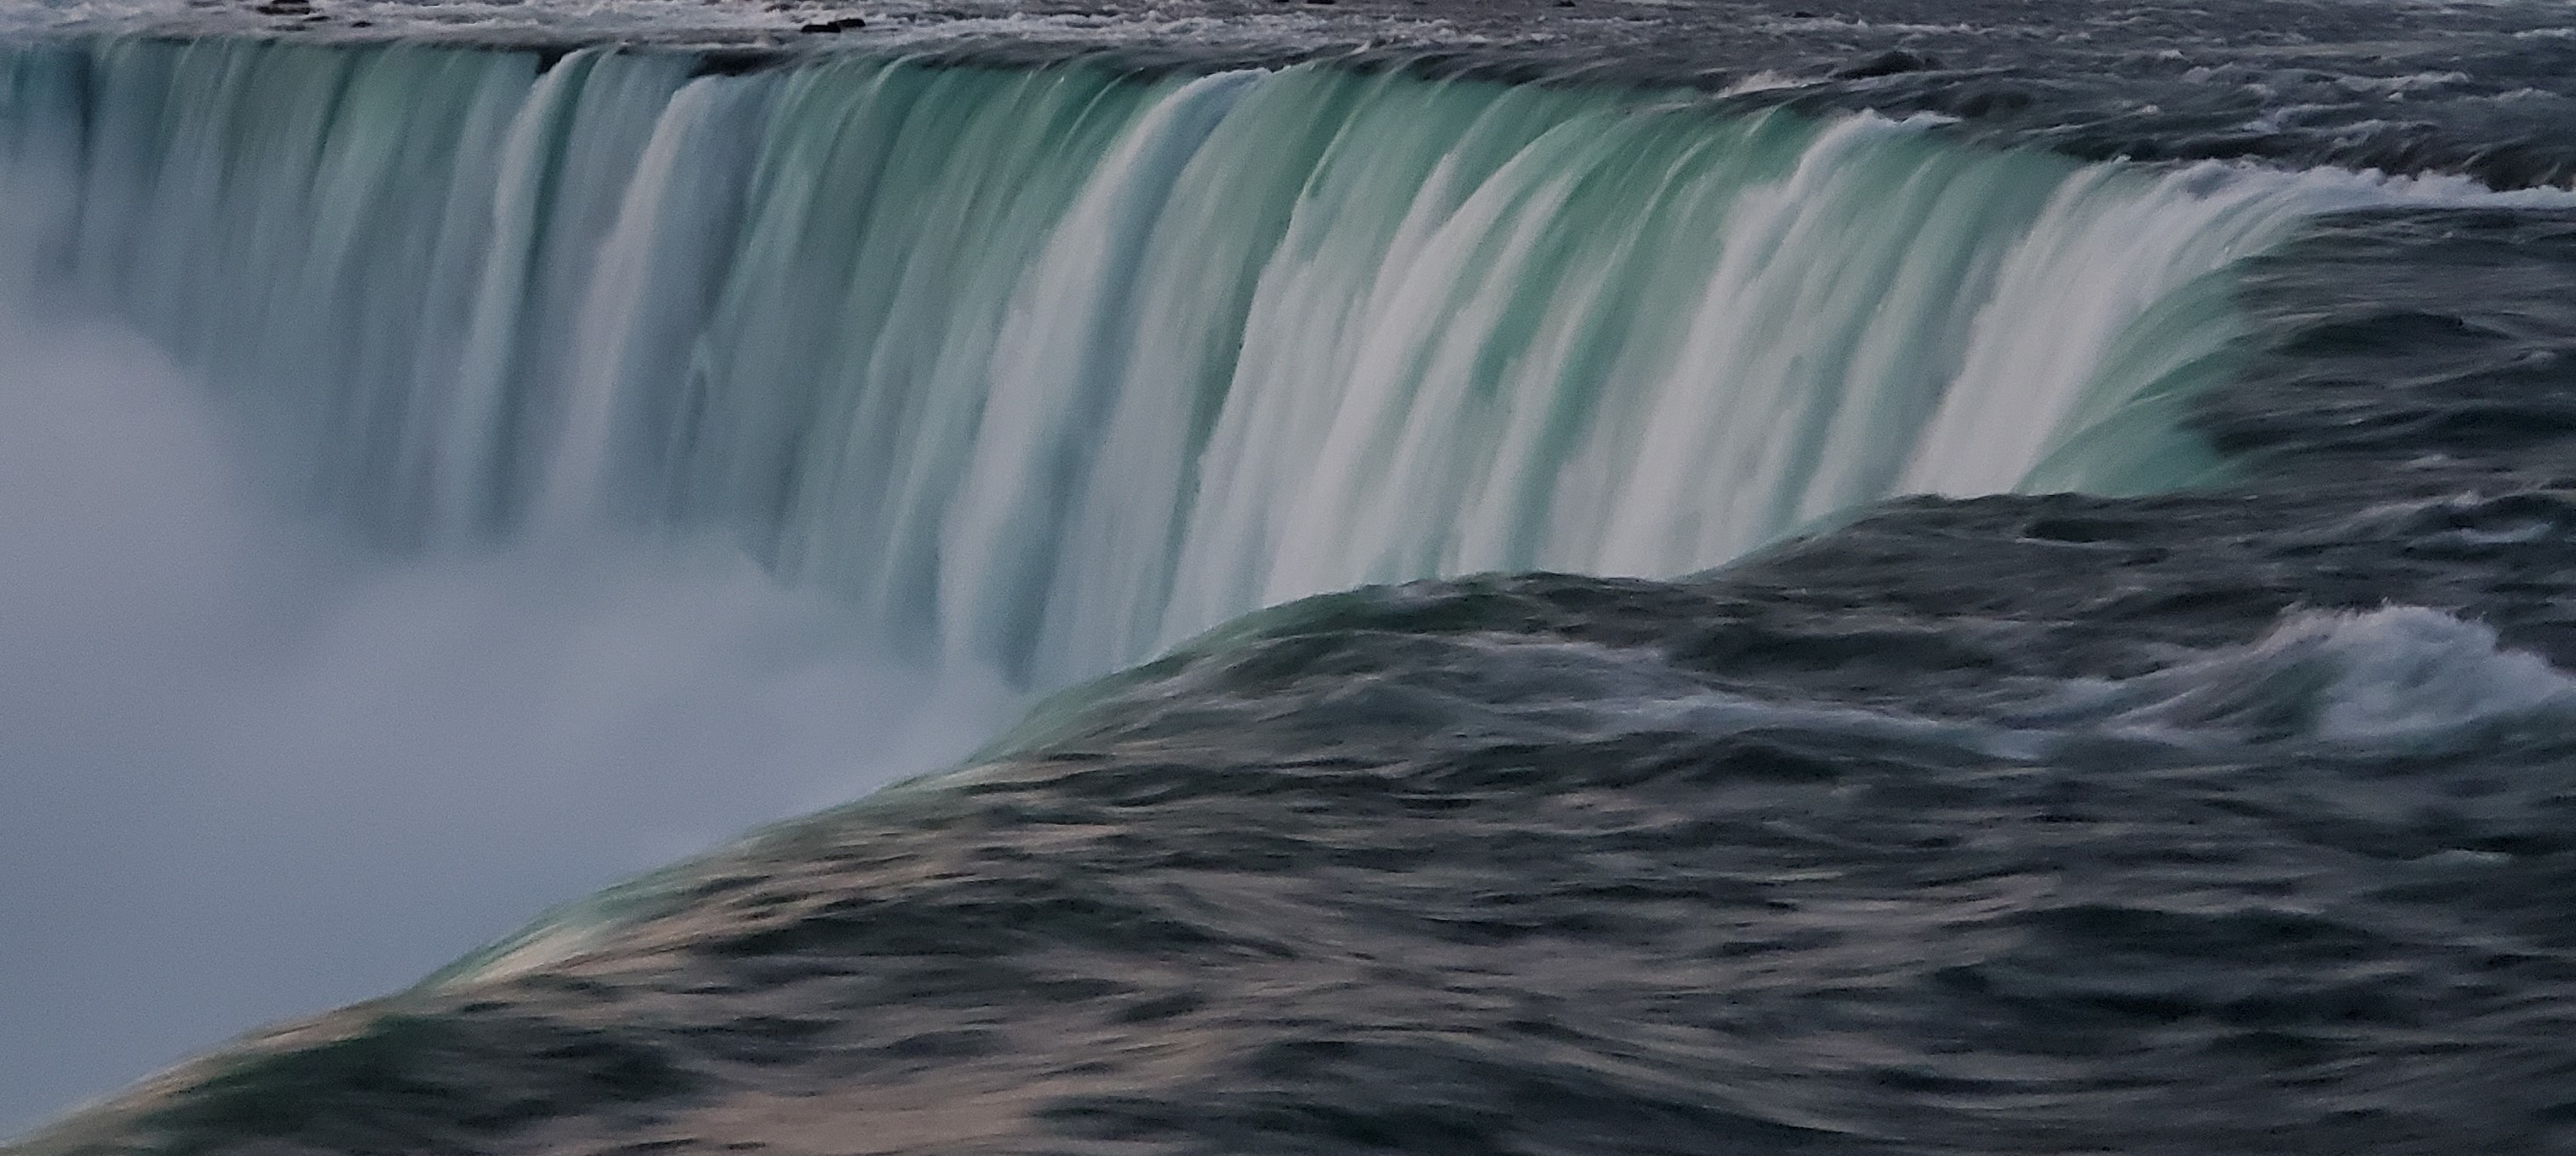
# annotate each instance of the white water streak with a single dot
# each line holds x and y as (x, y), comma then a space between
(1054, 368)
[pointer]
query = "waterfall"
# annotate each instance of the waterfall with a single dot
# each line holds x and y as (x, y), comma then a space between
(1050, 367)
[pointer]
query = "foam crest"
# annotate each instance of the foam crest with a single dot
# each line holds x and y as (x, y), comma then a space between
(2400, 678)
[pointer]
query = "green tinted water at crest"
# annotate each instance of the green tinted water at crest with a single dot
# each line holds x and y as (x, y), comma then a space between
(1047, 368)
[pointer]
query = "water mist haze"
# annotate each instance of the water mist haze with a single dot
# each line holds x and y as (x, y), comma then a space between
(250, 769)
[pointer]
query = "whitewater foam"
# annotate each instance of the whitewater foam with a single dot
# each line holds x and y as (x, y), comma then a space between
(2396, 680)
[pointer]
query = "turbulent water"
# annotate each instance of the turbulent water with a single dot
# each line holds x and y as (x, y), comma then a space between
(2201, 787)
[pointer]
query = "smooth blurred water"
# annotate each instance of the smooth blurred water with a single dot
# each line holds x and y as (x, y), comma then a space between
(1046, 369)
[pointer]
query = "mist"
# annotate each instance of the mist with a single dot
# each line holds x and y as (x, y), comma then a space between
(249, 770)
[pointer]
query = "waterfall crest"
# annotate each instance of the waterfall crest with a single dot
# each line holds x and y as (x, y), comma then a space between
(1051, 367)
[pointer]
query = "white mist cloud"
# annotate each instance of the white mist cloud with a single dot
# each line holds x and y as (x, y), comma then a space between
(246, 772)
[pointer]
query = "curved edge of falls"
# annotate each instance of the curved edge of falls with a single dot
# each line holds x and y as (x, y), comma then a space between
(1051, 368)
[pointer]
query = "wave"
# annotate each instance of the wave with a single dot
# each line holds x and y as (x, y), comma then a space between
(2400, 679)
